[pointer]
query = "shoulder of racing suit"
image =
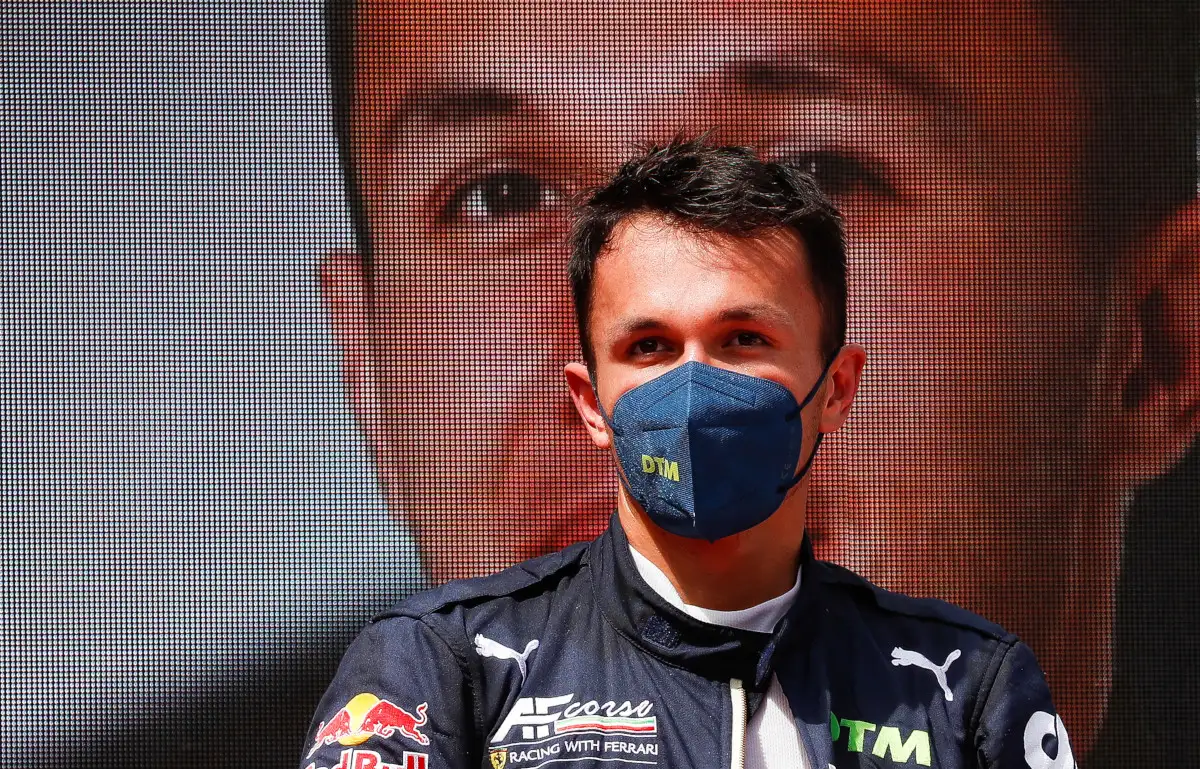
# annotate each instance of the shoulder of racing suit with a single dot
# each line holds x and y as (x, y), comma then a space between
(411, 691)
(528, 577)
(984, 693)
(930, 609)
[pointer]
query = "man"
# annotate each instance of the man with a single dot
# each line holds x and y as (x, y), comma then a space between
(1032, 214)
(710, 293)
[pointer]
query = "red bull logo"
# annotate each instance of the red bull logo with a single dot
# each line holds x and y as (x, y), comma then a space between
(366, 716)
(369, 759)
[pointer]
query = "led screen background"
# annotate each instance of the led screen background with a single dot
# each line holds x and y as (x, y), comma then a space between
(193, 527)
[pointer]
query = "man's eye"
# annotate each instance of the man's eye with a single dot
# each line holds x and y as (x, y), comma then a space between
(839, 174)
(647, 346)
(499, 195)
(748, 339)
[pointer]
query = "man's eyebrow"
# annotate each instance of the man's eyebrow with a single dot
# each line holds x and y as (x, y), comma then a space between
(637, 325)
(759, 312)
(785, 75)
(449, 106)
(763, 313)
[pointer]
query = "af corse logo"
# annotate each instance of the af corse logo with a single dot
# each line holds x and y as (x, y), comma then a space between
(539, 717)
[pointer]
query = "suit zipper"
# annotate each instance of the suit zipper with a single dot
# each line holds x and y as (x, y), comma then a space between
(737, 750)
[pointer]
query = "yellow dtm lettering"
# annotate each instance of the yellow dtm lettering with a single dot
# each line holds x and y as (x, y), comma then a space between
(887, 743)
(664, 467)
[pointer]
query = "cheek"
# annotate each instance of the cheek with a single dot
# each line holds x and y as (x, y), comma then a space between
(969, 314)
(972, 327)
(475, 339)
(475, 345)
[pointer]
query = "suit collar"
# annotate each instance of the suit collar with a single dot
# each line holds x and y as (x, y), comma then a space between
(658, 628)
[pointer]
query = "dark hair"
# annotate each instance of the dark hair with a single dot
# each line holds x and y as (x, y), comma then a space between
(341, 29)
(722, 190)
(1139, 65)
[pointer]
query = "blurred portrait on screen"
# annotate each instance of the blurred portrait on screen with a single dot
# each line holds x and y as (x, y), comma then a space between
(1019, 181)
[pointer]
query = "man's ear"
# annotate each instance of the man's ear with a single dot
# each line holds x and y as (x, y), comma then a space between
(1160, 395)
(347, 297)
(583, 395)
(841, 385)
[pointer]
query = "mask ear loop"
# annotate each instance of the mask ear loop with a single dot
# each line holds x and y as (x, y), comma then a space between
(596, 394)
(808, 399)
(804, 470)
(620, 468)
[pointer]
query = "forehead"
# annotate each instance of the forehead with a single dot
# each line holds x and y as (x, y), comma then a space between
(651, 267)
(426, 66)
(648, 237)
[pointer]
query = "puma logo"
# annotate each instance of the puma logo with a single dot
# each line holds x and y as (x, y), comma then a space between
(905, 657)
(486, 647)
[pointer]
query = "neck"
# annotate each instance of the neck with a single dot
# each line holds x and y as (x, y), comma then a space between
(733, 573)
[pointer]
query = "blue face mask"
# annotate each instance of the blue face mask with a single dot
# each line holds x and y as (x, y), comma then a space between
(707, 452)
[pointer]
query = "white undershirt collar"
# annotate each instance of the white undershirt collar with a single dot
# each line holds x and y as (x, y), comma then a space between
(761, 618)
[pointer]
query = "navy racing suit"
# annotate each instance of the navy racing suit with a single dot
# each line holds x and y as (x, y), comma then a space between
(571, 660)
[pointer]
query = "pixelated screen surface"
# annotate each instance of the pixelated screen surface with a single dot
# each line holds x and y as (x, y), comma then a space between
(287, 314)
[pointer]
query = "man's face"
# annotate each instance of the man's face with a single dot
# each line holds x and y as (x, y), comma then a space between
(959, 476)
(663, 296)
